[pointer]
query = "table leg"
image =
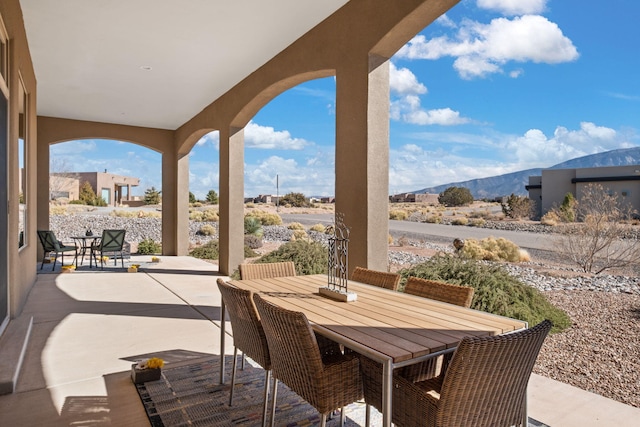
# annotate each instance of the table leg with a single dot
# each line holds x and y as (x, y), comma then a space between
(387, 392)
(223, 322)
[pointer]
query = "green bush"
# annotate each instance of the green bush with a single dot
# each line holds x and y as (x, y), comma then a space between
(253, 226)
(309, 257)
(455, 196)
(149, 247)
(211, 250)
(496, 291)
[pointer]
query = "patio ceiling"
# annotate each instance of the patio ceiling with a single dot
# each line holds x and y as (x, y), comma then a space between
(154, 63)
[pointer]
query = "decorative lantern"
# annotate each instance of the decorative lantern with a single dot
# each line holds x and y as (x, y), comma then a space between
(338, 262)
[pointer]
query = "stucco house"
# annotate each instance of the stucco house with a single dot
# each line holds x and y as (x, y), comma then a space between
(549, 189)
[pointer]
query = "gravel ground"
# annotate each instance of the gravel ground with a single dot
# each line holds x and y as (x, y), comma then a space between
(599, 353)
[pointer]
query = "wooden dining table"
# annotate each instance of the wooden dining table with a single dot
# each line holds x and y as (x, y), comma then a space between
(393, 328)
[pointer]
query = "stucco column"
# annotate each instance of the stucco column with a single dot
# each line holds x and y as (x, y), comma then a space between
(175, 204)
(231, 226)
(42, 191)
(362, 159)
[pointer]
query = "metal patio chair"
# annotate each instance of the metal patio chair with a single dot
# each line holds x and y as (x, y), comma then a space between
(112, 242)
(50, 244)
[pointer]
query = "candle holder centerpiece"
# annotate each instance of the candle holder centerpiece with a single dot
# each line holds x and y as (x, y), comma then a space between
(338, 265)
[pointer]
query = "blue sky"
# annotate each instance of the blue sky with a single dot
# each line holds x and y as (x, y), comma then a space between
(492, 87)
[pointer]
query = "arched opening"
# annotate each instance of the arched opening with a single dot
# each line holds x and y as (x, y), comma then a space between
(97, 184)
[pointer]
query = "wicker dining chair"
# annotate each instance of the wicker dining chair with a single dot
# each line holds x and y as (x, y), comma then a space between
(440, 291)
(485, 384)
(325, 383)
(270, 270)
(376, 278)
(267, 270)
(248, 336)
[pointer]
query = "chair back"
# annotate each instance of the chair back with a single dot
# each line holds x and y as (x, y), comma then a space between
(248, 334)
(48, 241)
(112, 240)
(440, 291)
(267, 270)
(295, 356)
(381, 279)
(486, 382)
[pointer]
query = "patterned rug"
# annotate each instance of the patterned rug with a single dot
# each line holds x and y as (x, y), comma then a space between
(189, 395)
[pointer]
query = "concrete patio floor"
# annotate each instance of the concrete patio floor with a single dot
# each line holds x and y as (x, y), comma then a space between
(90, 326)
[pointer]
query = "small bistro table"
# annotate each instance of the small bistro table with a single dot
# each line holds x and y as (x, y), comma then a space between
(393, 328)
(85, 243)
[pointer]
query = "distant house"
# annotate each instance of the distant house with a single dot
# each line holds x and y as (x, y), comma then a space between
(414, 198)
(114, 189)
(549, 189)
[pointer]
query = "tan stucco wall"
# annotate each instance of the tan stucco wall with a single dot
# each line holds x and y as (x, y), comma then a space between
(21, 262)
(556, 183)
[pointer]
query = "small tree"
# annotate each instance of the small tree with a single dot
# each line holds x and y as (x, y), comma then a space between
(192, 197)
(601, 240)
(87, 195)
(151, 196)
(455, 196)
(567, 211)
(212, 197)
(297, 200)
(517, 207)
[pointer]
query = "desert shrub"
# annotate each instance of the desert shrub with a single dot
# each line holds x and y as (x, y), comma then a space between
(309, 257)
(253, 242)
(253, 226)
(550, 218)
(76, 202)
(134, 214)
(398, 214)
(208, 215)
(455, 196)
(207, 230)
(517, 207)
(196, 204)
(299, 234)
(320, 228)
(211, 250)
(58, 210)
(433, 219)
(295, 226)
(459, 221)
(266, 218)
(148, 247)
(390, 239)
(297, 200)
(477, 222)
(492, 249)
(496, 291)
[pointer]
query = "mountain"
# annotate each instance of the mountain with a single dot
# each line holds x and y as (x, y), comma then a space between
(515, 182)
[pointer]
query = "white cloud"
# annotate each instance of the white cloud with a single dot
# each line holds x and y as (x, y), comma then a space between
(514, 7)
(482, 49)
(402, 81)
(409, 110)
(266, 137)
(535, 149)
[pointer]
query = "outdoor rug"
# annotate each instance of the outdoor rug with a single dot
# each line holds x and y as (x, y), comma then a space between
(189, 395)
